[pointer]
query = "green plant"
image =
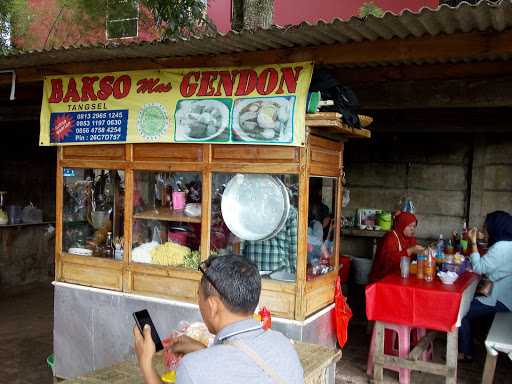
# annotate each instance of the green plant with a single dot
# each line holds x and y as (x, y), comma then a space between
(370, 8)
(14, 18)
(170, 18)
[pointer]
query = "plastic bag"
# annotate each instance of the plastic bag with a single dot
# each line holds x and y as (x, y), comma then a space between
(156, 235)
(343, 314)
(197, 331)
(31, 214)
(171, 361)
(406, 205)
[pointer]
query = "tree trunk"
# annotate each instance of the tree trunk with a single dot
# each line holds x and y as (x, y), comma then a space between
(252, 14)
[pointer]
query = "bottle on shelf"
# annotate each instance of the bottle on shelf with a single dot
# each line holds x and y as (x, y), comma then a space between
(108, 251)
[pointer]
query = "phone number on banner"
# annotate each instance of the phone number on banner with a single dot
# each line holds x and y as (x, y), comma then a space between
(80, 127)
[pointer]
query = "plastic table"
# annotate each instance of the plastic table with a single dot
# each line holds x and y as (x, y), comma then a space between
(419, 304)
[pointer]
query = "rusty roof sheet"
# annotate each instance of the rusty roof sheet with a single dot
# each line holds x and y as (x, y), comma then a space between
(483, 16)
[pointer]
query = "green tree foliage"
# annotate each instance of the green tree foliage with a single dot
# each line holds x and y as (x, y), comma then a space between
(13, 19)
(177, 18)
(72, 22)
(370, 9)
(4, 24)
(171, 19)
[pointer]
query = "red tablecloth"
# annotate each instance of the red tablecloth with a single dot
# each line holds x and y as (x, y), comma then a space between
(415, 302)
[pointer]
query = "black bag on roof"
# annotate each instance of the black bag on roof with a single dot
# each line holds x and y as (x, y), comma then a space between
(345, 100)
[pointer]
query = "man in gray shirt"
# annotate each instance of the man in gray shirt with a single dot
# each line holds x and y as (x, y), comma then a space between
(242, 352)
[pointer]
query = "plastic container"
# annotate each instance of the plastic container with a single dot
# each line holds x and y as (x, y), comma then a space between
(14, 213)
(169, 377)
(31, 215)
(178, 237)
(50, 360)
(178, 201)
(362, 268)
(384, 221)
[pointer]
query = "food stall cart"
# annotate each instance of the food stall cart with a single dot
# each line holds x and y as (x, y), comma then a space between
(136, 214)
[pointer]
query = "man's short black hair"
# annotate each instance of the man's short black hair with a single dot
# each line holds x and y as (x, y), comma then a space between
(237, 279)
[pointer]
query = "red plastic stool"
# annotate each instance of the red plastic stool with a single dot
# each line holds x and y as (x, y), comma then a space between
(404, 345)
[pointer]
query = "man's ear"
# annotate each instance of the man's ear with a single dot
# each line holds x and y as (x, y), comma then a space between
(215, 305)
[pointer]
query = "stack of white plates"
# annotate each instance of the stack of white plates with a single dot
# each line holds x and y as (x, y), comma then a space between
(80, 251)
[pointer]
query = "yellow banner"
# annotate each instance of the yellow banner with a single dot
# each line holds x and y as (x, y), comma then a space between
(259, 105)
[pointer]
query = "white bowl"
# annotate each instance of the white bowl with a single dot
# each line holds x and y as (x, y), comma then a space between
(447, 277)
(192, 210)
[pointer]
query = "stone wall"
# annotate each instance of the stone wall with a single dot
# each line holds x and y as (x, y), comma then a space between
(26, 256)
(491, 187)
(449, 177)
(27, 173)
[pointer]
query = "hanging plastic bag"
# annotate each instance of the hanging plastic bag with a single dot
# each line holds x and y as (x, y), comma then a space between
(343, 314)
(156, 235)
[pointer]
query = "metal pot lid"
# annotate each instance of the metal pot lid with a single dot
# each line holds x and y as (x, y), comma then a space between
(255, 207)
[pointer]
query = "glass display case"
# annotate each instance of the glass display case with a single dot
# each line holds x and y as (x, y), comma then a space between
(276, 205)
(93, 212)
(167, 218)
(321, 226)
(255, 215)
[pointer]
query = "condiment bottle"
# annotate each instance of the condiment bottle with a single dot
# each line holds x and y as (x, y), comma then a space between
(430, 266)
(420, 268)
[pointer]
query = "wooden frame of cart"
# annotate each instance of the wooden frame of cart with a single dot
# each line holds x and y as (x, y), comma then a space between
(321, 157)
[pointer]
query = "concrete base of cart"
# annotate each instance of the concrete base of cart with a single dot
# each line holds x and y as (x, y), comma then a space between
(93, 327)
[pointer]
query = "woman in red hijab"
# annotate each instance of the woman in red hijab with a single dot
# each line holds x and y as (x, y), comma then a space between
(401, 241)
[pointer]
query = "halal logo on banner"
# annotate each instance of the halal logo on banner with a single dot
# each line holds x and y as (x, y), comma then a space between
(62, 126)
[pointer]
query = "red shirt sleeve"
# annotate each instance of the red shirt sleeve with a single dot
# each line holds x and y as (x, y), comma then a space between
(387, 257)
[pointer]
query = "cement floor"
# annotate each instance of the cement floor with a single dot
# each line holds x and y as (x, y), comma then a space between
(352, 367)
(26, 333)
(26, 340)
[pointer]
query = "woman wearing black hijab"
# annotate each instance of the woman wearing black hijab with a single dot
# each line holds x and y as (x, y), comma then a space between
(497, 266)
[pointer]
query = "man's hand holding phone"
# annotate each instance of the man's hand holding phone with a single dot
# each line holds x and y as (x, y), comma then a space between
(146, 342)
(144, 346)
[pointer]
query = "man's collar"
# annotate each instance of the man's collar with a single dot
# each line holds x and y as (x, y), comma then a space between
(236, 328)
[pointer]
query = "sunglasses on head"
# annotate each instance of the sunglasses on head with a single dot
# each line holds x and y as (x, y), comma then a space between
(203, 267)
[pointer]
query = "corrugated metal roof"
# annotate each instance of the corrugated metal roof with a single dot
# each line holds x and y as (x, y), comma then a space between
(484, 16)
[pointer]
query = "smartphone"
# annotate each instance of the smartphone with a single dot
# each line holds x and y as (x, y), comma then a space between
(141, 319)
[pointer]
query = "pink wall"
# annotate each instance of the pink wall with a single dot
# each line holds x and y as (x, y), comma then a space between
(295, 11)
(60, 31)
(220, 13)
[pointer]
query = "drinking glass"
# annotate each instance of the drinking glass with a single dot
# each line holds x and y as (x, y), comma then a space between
(404, 267)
